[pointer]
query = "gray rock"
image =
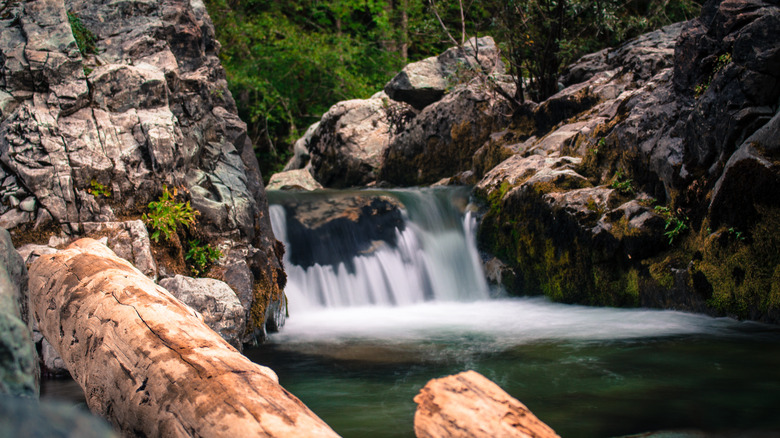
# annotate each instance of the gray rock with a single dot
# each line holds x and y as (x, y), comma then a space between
(32, 419)
(301, 154)
(346, 148)
(31, 252)
(129, 240)
(300, 179)
(154, 110)
(28, 205)
(425, 82)
(19, 372)
(215, 300)
(53, 364)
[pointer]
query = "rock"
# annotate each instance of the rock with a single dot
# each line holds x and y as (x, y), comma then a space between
(53, 364)
(301, 154)
(31, 252)
(19, 372)
(129, 240)
(425, 82)
(33, 419)
(215, 300)
(747, 179)
(147, 362)
(470, 405)
(346, 148)
(300, 179)
(154, 110)
(441, 141)
(337, 228)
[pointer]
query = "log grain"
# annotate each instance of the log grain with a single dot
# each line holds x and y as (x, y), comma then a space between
(147, 362)
(468, 405)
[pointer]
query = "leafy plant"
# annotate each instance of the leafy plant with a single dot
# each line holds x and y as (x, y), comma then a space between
(166, 215)
(736, 233)
(623, 185)
(201, 257)
(96, 189)
(675, 225)
(85, 39)
(722, 61)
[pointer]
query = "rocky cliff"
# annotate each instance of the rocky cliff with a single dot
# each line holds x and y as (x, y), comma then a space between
(103, 104)
(650, 179)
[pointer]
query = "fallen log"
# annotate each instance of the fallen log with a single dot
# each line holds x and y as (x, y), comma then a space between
(146, 362)
(469, 405)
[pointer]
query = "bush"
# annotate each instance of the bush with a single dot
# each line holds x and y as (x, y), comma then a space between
(201, 256)
(166, 215)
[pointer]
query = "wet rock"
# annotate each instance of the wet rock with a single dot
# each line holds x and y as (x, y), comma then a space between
(215, 300)
(425, 82)
(300, 179)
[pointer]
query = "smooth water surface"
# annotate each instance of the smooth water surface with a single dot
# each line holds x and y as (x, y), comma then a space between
(587, 372)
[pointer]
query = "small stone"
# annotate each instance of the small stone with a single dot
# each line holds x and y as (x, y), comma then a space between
(13, 201)
(28, 204)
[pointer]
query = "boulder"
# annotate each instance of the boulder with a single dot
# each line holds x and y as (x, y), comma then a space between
(348, 144)
(215, 300)
(470, 405)
(300, 179)
(425, 82)
(442, 139)
(19, 372)
(151, 108)
(301, 154)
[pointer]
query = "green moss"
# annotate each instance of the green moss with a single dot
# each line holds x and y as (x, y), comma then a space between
(85, 39)
(745, 273)
(661, 272)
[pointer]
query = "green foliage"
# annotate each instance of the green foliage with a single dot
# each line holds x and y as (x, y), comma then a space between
(736, 233)
(166, 215)
(201, 256)
(623, 185)
(85, 39)
(722, 61)
(96, 189)
(675, 225)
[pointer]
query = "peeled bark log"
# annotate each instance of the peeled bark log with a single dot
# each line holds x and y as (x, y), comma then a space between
(146, 361)
(469, 405)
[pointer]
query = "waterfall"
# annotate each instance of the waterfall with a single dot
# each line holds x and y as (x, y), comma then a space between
(429, 254)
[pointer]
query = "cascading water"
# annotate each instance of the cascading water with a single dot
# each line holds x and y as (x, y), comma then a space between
(430, 256)
(386, 292)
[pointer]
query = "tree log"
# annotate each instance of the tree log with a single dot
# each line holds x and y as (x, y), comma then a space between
(146, 362)
(469, 405)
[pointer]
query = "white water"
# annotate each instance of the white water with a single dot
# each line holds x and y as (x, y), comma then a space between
(431, 286)
(434, 261)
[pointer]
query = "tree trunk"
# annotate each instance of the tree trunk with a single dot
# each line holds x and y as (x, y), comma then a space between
(470, 405)
(147, 362)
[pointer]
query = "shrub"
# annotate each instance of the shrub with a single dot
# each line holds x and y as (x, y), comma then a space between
(96, 189)
(675, 225)
(201, 256)
(166, 215)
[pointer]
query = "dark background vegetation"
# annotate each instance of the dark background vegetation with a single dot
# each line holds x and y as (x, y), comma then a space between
(288, 61)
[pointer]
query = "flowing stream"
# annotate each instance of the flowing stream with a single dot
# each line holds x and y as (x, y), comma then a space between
(383, 300)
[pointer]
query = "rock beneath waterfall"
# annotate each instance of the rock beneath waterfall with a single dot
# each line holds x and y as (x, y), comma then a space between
(470, 405)
(425, 82)
(215, 300)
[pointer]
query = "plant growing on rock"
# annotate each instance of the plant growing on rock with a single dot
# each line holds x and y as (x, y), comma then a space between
(623, 185)
(201, 256)
(85, 39)
(722, 61)
(166, 215)
(675, 225)
(96, 189)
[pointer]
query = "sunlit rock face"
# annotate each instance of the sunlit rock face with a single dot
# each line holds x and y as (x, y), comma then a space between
(150, 108)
